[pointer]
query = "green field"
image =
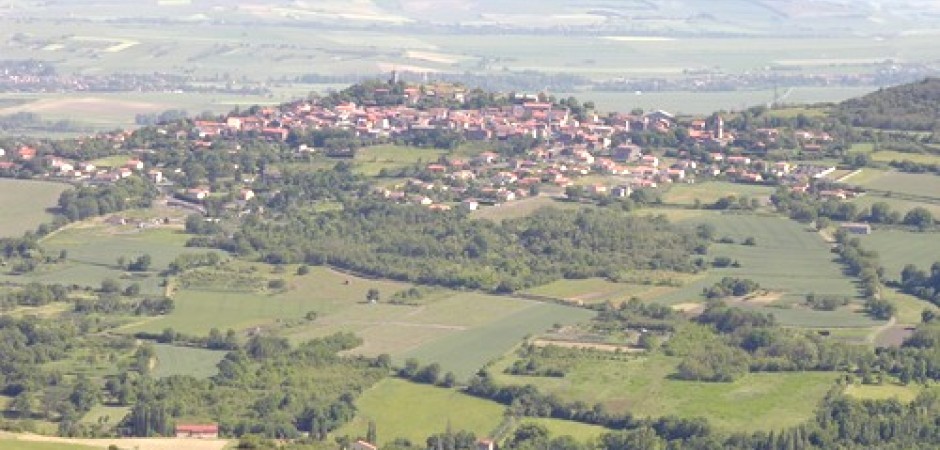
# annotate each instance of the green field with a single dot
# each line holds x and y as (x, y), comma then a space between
(93, 249)
(599, 290)
(884, 391)
(413, 411)
(916, 186)
(889, 155)
(439, 329)
(897, 248)
(467, 351)
(789, 259)
(111, 415)
(581, 432)
(522, 208)
(397, 330)
(323, 291)
(370, 160)
(25, 204)
(642, 386)
(14, 444)
(195, 362)
(710, 192)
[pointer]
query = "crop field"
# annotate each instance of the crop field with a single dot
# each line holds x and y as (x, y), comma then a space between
(15, 444)
(93, 249)
(323, 291)
(25, 204)
(10, 441)
(921, 158)
(398, 329)
(581, 432)
(788, 259)
(370, 160)
(897, 202)
(413, 411)
(897, 248)
(465, 352)
(908, 186)
(195, 362)
(522, 208)
(710, 192)
(642, 386)
(598, 290)
(106, 414)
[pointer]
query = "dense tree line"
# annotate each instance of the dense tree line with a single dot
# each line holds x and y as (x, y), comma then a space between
(415, 244)
(127, 193)
(905, 107)
(316, 390)
(922, 283)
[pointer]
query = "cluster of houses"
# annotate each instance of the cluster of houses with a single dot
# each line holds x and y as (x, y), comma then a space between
(575, 147)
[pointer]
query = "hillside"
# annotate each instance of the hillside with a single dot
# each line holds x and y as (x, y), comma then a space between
(913, 107)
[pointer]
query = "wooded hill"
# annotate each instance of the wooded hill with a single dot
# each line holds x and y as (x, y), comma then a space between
(914, 107)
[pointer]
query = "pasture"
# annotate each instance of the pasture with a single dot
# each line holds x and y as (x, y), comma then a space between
(398, 329)
(322, 291)
(889, 390)
(908, 186)
(897, 248)
(10, 441)
(581, 432)
(370, 160)
(890, 155)
(643, 387)
(523, 208)
(710, 192)
(93, 248)
(16, 444)
(111, 415)
(465, 352)
(414, 411)
(25, 204)
(195, 362)
(788, 259)
(598, 290)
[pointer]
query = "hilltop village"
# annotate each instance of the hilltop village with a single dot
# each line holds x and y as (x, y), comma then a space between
(531, 145)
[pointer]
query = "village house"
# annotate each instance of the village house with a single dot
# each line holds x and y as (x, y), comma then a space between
(208, 431)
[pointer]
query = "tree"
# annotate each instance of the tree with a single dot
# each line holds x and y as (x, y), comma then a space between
(109, 285)
(141, 264)
(450, 380)
(919, 217)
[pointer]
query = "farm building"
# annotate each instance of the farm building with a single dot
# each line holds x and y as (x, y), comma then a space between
(208, 431)
(856, 228)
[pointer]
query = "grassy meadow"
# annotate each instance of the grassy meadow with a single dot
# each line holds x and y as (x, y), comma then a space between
(581, 432)
(403, 409)
(643, 387)
(25, 204)
(195, 362)
(710, 192)
(370, 160)
(16, 444)
(465, 352)
(94, 247)
(897, 248)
